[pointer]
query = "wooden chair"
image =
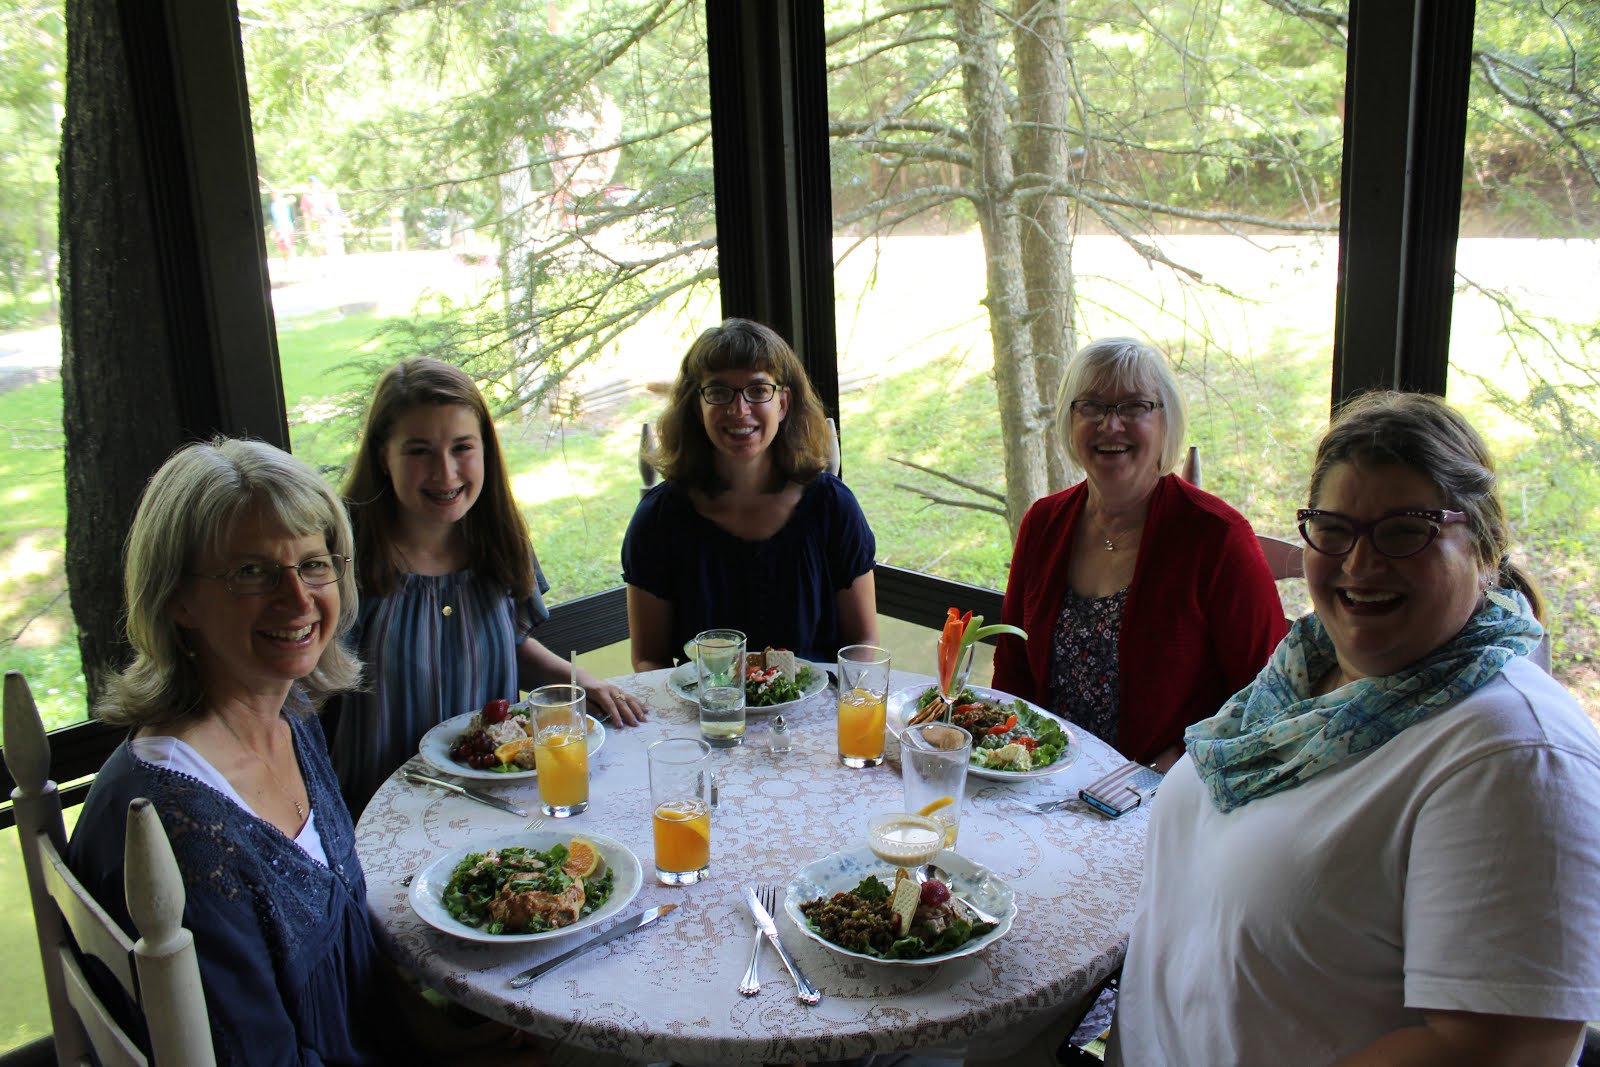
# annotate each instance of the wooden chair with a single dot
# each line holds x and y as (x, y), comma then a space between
(160, 972)
(1285, 559)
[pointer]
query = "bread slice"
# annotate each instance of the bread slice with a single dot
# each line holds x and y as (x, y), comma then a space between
(907, 895)
(782, 659)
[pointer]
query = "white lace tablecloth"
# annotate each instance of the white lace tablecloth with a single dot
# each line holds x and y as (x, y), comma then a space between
(668, 992)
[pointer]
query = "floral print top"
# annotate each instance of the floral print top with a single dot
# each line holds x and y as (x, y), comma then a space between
(1084, 685)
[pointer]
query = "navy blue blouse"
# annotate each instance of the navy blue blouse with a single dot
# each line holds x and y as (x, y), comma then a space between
(287, 958)
(780, 591)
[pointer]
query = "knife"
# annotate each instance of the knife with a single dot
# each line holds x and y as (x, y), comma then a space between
(803, 987)
(626, 926)
(471, 794)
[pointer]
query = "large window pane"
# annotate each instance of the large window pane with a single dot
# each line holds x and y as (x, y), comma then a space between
(1525, 334)
(37, 631)
(1007, 188)
(523, 189)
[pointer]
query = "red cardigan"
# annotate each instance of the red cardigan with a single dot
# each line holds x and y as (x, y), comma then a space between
(1201, 618)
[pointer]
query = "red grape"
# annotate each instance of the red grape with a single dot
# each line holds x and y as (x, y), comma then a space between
(934, 893)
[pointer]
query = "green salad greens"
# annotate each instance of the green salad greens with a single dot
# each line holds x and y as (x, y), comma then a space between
(778, 690)
(1009, 736)
(863, 920)
(483, 878)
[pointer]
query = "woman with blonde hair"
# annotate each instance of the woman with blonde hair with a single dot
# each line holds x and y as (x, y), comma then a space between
(1146, 601)
(747, 528)
(239, 585)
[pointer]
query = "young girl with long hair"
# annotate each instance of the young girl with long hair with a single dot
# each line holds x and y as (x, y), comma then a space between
(450, 587)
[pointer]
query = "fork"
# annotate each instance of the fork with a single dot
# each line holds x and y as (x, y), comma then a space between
(1047, 807)
(751, 985)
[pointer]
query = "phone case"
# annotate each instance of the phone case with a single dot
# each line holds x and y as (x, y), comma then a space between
(1122, 790)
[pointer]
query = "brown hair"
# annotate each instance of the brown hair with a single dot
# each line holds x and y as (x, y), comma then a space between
(1435, 440)
(495, 533)
(684, 454)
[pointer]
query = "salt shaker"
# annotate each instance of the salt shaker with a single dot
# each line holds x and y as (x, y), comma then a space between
(779, 740)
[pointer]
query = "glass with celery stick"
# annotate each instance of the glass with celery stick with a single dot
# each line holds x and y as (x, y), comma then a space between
(863, 704)
(561, 748)
(719, 671)
(683, 790)
(958, 643)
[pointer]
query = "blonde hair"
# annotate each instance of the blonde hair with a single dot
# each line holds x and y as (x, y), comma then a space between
(189, 508)
(1123, 363)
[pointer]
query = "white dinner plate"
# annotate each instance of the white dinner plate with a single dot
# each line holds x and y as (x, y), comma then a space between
(427, 888)
(903, 705)
(843, 871)
(683, 683)
(435, 748)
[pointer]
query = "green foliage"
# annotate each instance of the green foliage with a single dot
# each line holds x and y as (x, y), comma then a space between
(32, 56)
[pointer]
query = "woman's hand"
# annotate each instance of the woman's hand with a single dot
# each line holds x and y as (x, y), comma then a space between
(621, 707)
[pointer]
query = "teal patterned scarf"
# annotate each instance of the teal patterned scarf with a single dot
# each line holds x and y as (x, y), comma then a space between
(1272, 734)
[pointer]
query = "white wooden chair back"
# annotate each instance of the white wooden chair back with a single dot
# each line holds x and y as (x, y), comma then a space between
(159, 972)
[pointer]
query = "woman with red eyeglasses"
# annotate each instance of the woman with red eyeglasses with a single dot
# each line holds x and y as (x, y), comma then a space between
(1385, 849)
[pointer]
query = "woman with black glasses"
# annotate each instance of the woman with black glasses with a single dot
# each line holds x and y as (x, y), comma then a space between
(1146, 601)
(747, 529)
(1385, 849)
(238, 585)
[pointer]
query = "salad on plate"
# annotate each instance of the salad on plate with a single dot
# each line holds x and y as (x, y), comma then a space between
(518, 890)
(1007, 735)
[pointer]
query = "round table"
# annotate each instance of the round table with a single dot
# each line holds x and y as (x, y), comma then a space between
(668, 992)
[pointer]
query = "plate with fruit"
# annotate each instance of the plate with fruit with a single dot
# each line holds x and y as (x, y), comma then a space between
(892, 919)
(503, 890)
(492, 745)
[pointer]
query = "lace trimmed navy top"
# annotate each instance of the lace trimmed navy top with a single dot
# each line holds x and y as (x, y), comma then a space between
(286, 955)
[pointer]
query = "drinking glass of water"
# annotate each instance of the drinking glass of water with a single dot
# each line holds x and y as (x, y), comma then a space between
(719, 666)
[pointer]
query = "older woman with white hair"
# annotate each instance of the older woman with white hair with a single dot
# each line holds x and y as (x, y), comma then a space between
(1147, 602)
(238, 585)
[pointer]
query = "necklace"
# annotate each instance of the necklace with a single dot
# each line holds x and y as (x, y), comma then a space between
(299, 809)
(1111, 542)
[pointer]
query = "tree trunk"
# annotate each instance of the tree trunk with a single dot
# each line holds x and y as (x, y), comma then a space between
(1016, 387)
(119, 413)
(1043, 109)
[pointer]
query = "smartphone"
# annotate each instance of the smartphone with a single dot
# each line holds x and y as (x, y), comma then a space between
(1122, 790)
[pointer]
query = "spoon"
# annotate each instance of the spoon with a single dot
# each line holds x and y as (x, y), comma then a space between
(933, 871)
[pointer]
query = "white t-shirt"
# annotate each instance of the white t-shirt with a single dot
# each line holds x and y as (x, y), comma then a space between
(180, 756)
(1456, 867)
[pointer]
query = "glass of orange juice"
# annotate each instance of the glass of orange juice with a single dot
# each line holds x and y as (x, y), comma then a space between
(863, 704)
(683, 790)
(561, 748)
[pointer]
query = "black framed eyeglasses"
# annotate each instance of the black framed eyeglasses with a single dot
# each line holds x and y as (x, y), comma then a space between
(755, 393)
(1127, 411)
(1397, 535)
(254, 579)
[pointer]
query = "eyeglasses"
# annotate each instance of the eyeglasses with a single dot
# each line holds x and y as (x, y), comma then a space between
(254, 579)
(1127, 411)
(1397, 535)
(722, 395)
